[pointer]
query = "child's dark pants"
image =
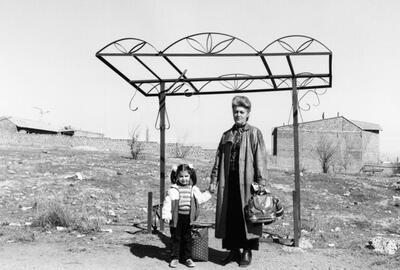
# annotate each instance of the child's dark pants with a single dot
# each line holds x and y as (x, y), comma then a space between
(181, 239)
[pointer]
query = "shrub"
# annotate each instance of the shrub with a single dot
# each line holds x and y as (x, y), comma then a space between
(53, 214)
(135, 145)
(182, 151)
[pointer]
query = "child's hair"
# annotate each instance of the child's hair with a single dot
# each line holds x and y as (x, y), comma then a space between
(184, 167)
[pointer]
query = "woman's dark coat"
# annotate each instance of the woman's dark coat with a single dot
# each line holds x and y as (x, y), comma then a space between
(252, 168)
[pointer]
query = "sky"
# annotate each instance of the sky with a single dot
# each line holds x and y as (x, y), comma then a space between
(47, 53)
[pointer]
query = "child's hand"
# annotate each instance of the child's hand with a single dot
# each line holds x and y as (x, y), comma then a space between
(166, 220)
(211, 188)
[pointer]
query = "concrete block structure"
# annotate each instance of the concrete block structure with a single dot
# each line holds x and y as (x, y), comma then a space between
(356, 143)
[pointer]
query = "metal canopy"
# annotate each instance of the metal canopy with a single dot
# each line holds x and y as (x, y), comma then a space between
(216, 63)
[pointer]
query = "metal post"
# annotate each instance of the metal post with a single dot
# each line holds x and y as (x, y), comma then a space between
(296, 199)
(149, 211)
(161, 100)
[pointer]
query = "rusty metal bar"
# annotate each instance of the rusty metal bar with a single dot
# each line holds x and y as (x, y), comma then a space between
(290, 66)
(180, 73)
(149, 211)
(216, 55)
(233, 91)
(296, 199)
(162, 148)
(121, 74)
(147, 67)
(268, 70)
(233, 78)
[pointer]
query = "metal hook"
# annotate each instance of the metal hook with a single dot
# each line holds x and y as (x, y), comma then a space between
(130, 103)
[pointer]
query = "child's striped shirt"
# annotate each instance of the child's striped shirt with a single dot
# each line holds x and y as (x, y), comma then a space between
(184, 199)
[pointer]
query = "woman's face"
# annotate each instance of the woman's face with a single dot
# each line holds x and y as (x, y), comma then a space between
(184, 178)
(240, 115)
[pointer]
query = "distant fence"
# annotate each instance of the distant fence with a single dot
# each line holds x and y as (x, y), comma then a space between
(100, 144)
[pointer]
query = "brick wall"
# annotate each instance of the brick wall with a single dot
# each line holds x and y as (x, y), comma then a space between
(354, 147)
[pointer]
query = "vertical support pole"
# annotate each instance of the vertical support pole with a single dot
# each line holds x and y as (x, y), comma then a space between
(296, 193)
(161, 102)
(149, 211)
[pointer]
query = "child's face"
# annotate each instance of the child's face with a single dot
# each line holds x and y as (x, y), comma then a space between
(184, 178)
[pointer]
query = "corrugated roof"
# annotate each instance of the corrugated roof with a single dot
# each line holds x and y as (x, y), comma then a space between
(32, 124)
(366, 125)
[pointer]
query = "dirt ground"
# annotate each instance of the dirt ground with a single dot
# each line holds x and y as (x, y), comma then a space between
(340, 214)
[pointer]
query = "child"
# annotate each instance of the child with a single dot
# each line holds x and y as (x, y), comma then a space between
(180, 210)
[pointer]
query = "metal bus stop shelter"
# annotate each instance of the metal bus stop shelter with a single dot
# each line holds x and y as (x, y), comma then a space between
(215, 63)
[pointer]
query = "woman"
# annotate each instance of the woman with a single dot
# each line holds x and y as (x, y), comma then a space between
(239, 162)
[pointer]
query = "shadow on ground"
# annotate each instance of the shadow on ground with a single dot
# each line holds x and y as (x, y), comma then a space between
(163, 253)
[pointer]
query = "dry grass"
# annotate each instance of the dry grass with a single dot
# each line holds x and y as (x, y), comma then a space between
(52, 214)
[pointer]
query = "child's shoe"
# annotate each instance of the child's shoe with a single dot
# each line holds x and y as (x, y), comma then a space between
(190, 263)
(173, 263)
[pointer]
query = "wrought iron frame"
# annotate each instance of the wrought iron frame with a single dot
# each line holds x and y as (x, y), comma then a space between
(175, 85)
(205, 45)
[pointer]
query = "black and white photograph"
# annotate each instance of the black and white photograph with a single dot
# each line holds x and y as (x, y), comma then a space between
(199, 134)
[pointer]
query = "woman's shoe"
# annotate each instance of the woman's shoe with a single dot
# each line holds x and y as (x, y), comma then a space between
(174, 263)
(246, 258)
(233, 256)
(190, 263)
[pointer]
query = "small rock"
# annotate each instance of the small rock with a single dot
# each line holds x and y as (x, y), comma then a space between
(347, 194)
(93, 238)
(396, 200)
(60, 228)
(93, 196)
(331, 245)
(78, 176)
(337, 229)
(396, 185)
(111, 213)
(28, 223)
(305, 243)
(80, 235)
(119, 173)
(25, 208)
(109, 230)
(16, 224)
(384, 245)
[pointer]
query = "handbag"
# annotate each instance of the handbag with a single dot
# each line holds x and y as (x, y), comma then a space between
(262, 207)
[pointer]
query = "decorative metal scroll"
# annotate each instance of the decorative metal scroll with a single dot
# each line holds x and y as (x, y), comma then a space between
(175, 66)
(304, 104)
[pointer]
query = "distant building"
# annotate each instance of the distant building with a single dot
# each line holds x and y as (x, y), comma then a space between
(356, 144)
(84, 133)
(15, 124)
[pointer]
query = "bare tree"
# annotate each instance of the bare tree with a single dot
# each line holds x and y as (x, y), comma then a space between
(182, 150)
(326, 150)
(135, 145)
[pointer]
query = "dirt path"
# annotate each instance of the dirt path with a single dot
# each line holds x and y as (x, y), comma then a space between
(142, 251)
